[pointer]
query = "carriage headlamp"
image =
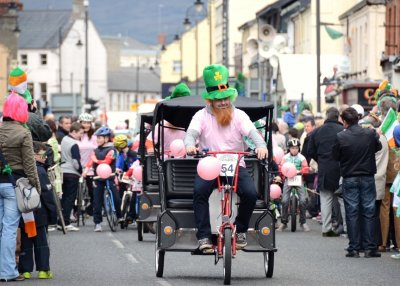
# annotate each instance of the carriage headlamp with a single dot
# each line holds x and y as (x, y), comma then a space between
(265, 231)
(168, 230)
(145, 206)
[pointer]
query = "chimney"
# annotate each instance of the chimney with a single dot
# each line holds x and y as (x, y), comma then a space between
(78, 10)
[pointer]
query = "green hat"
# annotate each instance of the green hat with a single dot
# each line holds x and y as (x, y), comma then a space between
(284, 108)
(216, 82)
(180, 90)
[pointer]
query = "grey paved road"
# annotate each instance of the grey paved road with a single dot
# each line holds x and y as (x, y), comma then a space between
(88, 258)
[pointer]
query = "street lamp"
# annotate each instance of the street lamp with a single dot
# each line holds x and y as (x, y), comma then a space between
(200, 10)
(86, 4)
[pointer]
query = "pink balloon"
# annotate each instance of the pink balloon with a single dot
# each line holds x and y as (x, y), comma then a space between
(103, 171)
(289, 170)
(278, 154)
(209, 168)
(138, 173)
(178, 149)
(275, 191)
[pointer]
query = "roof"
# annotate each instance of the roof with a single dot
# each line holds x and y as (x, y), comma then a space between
(128, 43)
(179, 111)
(40, 28)
(359, 6)
(247, 24)
(124, 79)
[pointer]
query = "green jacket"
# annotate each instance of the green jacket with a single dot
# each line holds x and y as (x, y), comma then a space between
(17, 147)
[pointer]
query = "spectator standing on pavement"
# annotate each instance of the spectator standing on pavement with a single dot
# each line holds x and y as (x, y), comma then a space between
(72, 170)
(355, 149)
(288, 116)
(64, 126)
(320, 149)
(284, 130)
(35, 250)
(277, 137)
(16, 147)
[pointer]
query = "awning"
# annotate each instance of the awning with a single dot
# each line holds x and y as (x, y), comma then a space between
(299, 73)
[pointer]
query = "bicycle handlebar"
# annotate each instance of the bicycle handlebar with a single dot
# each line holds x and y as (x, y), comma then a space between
(98, 177)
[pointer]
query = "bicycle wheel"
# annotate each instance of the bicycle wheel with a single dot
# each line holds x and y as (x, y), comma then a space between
(125, 210)
(293, 213)
(78, 203)
(227, 256)
(109, 211)
(269, 263)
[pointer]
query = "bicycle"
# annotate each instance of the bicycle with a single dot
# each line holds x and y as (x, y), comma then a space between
(111, 212)
(80, 201)
(294, 183)
(133, 192)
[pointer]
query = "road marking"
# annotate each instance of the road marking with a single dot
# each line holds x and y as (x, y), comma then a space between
(118, 243)
(131, 258)
(110, 234)
(164, 283)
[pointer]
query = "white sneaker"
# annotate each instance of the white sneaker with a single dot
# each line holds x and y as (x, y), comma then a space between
(97, 228)
(395, 256)
(70, 227)
(51, 228)
(305, 227)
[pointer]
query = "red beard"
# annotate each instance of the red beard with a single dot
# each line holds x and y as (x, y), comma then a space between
(223, 116)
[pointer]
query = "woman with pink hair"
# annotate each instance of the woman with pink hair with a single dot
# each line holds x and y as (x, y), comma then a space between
(17, 148)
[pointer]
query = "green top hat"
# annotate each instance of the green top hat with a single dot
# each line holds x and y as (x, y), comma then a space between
(284, 108)
(216, 82)
(180, 90)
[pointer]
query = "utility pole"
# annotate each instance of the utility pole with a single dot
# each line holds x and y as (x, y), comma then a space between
(225, 33)
(318, 24)
(59, 60)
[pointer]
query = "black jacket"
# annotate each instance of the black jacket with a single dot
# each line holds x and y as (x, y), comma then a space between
(355, 148)
(60, 134)
(319, 148)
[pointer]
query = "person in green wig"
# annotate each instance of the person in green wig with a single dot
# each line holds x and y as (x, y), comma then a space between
(221, 127)
(170, 132)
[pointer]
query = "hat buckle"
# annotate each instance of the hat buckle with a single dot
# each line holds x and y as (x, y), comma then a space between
(222, 87)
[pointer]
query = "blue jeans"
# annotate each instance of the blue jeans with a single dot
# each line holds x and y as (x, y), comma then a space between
(9, 219)
(359, 196)
(202, 192)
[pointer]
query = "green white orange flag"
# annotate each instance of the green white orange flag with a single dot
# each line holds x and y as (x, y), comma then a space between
(388, 125)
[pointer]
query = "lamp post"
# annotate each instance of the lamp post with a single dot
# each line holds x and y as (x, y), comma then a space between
(86, 4)
(200, 10)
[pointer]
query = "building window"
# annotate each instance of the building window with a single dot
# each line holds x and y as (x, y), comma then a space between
(43, 91)
(43, 59)
(177, 66)
(24, 59)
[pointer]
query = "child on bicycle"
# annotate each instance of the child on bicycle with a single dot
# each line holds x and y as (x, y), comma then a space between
(126, 157)
(35, 250)
(301, 165)
(105, 153)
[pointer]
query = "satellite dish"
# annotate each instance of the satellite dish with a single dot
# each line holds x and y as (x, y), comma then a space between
(252, 46)
(266, 32)
(274, 61)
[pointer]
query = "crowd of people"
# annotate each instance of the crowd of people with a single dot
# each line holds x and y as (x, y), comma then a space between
(349, 161)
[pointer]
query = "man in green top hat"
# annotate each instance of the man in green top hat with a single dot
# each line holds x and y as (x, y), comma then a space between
(221, 127)
(180, 90)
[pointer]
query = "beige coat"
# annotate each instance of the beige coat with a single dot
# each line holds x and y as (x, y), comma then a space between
(17, 147)
(382, 159)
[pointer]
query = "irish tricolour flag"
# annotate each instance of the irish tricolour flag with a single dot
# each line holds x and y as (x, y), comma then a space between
(388, 125)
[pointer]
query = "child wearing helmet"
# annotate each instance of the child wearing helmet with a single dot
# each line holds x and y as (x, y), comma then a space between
(125, 158)
(294, 156)
(105, 153)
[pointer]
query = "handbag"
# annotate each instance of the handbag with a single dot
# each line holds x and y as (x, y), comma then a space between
(28, 198)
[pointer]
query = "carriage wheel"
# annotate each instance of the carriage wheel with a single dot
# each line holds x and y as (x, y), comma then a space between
(269, 263)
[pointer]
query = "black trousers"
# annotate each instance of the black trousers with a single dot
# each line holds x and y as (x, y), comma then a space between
(70, 188)
(38, 245)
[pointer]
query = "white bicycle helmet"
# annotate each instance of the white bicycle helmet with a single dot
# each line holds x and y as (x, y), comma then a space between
(359, 109)
(85, 117)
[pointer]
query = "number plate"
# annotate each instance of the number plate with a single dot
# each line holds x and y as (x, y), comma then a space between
(296, 181)
(228, 164)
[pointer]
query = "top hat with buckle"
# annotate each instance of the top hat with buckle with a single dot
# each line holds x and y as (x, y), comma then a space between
(216, 82)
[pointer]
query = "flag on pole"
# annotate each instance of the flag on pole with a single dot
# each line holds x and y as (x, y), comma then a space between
(333, 33)
(388, 125)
